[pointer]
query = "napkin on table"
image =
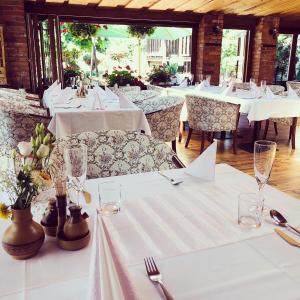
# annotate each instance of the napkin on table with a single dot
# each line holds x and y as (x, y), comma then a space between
(204, 166)
(111, 95)
(200, 87)
(184, 83)
(124, 102)
(269, 94)
(97, 102)
(64, 95)
(291, 93)
(228, 90)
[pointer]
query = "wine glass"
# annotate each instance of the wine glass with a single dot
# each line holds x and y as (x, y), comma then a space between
(76, 166)
(264, 155)
(263, 86)
(73, 82)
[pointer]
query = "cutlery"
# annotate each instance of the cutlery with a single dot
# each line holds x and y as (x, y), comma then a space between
(155, 276)
(172, 180)
(287, 238)
(280, 220)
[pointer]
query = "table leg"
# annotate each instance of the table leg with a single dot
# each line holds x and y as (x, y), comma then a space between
(257, 125)
(181, 124)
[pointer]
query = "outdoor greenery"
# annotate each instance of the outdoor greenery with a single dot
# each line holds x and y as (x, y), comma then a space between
(283, 50)
(159, 74)
(140, 32)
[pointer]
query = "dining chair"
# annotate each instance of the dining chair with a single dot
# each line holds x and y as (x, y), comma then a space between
(125, 89)
(276, 89)
(16, 127)
(164, 122)
(242, 85)
(291, 122)
(210, 116)
(15, 95)
(155, 88)
(295, 85)
(11, 104)
(117, 152)
(139, 96)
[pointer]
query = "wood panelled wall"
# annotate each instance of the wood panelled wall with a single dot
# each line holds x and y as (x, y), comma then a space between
(12, 17)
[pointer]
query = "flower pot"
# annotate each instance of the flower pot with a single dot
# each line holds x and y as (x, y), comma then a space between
(24, 237)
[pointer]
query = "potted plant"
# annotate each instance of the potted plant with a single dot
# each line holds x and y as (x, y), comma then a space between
(159, 75)
(22, 182)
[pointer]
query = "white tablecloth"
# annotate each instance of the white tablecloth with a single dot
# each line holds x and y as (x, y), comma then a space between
(190, 229)
(66, 121)
(192, 232)
(256, 109)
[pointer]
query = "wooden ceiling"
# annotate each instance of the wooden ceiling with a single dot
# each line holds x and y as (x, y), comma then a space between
(238, 7)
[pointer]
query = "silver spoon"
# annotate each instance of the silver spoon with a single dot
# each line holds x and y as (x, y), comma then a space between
(280, 220)
(172, 180)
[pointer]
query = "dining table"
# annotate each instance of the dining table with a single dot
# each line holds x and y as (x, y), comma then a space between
(190, 229)
(78, 115)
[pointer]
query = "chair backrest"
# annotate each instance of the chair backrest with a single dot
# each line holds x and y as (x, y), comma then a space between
(124, 89)
(158, 103)
(117, 152)
(276, 89)
(16, 127)
(22, 107)
(139, 96)
(155, 88)
(293, 84)
(242, 85)
(211, 115)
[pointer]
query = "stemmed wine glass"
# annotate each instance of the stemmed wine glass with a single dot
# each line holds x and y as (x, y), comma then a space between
(263, 86)
(76, 166)
(264, 155)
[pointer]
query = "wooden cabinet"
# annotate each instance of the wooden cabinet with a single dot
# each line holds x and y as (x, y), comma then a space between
(3, 79)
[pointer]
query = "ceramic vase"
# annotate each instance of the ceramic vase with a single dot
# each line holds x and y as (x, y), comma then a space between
(24, 237)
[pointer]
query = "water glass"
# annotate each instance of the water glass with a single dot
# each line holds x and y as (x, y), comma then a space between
(250, 210)
(109, 197)
(207, 80)
(76, 166)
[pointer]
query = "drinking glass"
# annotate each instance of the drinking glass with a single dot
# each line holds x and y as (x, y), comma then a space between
(73, 82)
(76, 166)
(263, 86)
(250, 210)
(264, 155)
(207, 79)
(109, 197)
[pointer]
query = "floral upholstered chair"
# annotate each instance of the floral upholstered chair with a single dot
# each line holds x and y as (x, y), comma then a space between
(276, 89)
(22, 107)
(295, 85)
(139, 96)
(209, 115)
(15, 95)
(155, 88)
(164, 119)
(126, 89)
(291, 122)
(242, 85)
(16, 127)
(117, 152)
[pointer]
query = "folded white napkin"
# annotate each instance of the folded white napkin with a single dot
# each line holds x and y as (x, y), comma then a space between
(111, 95)
(204, 166)
(228, 90)
(97, 102)
(64, 95)
(184, 83)
(200, 86)
(291, 93)
(269, 94)
(125, 102)
(51, 87)
(98, 90)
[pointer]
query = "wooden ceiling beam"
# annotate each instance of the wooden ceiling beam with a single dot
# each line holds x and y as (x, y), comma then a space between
(107, 14)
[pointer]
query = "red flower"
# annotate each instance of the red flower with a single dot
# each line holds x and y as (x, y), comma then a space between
(73, 68)
(97, 25)
(119, 67)
(105, 26)
(139, 77)
(128, 67)
(65, 30)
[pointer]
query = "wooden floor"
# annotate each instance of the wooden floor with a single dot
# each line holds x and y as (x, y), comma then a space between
(286, 170)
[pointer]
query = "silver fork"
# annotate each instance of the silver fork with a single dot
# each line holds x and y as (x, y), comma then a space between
(172, 180)
(155, 276)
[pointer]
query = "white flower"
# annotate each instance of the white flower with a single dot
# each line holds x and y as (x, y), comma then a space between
(43, 151)
(25, 148)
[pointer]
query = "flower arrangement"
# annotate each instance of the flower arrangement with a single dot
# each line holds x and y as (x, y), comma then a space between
(28, 171)
(122, 77)
(140, 32)
(159, 74)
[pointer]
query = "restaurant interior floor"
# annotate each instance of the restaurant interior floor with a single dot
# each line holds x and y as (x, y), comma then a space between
(286, 168)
